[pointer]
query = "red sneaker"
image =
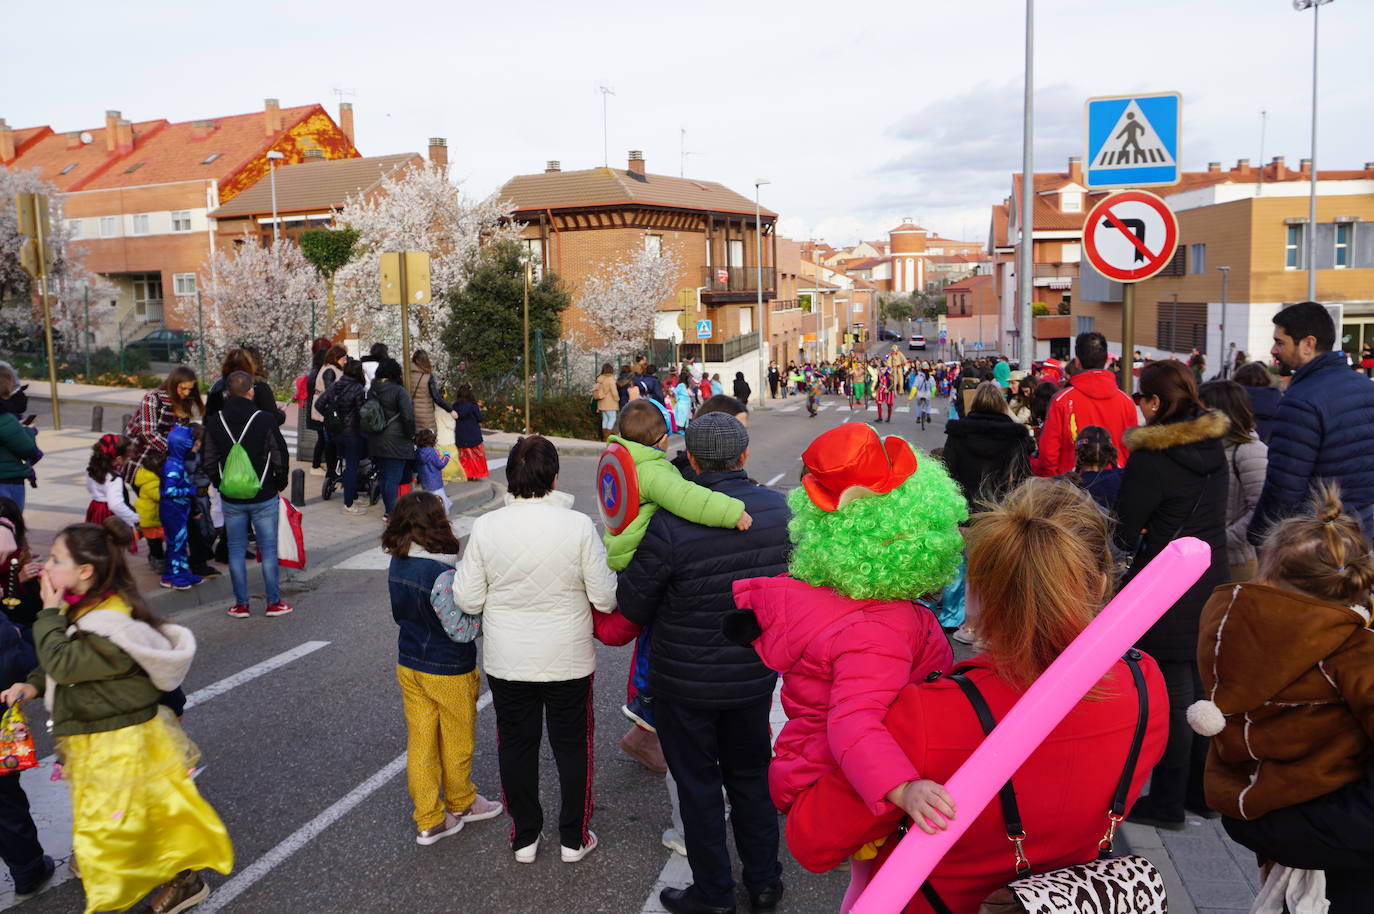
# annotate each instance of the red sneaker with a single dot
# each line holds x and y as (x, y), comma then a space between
(279, 608)
(239, 610)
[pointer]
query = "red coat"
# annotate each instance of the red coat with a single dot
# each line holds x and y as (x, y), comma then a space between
(842, 662)
(1064, 789)
(1092, 398)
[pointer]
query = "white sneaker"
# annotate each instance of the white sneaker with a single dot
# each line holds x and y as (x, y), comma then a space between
(527, 853)
(965, 634)
(673, 841)
(317, 471)
(355, 509)
(572, 856)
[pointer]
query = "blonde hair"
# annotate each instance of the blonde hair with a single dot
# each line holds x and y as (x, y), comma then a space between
(1323, 553)
(988, 399)
(1041, 565)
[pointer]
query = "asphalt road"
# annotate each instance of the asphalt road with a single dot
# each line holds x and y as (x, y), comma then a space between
(304, 761)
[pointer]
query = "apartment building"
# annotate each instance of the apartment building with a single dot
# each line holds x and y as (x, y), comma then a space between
(137, 195)
(972, 318)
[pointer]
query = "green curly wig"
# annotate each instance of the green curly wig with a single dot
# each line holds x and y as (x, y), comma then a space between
(897, 546)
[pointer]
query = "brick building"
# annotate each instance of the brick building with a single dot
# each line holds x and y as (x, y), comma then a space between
(136, 195)
(972, 320)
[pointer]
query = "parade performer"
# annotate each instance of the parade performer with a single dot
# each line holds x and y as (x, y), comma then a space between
(813, 395)
(875, 529)
(177, 493)
(105, 661)
(883, 395)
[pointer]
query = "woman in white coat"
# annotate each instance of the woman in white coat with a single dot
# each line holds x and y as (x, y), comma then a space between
(1247, 461)
(531, 568)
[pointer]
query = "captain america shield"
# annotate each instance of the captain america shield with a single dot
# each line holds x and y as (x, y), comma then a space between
(617, 488)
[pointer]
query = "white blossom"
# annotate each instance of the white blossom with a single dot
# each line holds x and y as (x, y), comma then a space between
(619, 301)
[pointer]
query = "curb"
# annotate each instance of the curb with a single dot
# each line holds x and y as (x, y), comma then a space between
(590, 449)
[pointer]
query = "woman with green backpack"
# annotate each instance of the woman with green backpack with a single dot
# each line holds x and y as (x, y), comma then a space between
(388, 420)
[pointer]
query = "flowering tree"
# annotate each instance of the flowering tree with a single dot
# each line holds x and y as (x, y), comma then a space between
(620, 300)
(415, 208)
(261, 296)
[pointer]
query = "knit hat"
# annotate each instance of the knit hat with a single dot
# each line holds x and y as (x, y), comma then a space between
(716, 437)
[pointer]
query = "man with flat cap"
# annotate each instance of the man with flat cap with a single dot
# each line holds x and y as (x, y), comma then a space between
(711, 695)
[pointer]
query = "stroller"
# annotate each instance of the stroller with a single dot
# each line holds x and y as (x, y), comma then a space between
(368, 485)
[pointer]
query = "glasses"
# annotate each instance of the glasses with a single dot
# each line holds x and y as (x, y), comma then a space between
(1137, 396)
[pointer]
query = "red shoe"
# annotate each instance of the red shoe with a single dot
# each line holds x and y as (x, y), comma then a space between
(279, 609)
(239, 610)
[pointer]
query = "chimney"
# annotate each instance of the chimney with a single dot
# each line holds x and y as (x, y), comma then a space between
(1368, 166)
(1214, 167)
(1242, 168)
(124, 131)
(6, 141)
(636, 165)
(201, 129)
(272, 117)
(111, 119)
(346, 120)
(1076, 169)
(438, 152)
(1280, 172)
(1305, 167)
(74, 139)
(552, 166)
(314, 154)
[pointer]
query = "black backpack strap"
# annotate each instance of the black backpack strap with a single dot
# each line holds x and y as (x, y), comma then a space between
(937, 904)
(1123, 786)
(1011, 813)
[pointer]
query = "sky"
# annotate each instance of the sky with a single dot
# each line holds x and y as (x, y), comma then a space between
(859, 117)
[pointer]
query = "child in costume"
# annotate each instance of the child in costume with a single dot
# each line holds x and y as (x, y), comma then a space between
(883, 393)
(430, 463)
(875, 529)
(105, 662)
(105, 482)
(147, 494)
(178, 493)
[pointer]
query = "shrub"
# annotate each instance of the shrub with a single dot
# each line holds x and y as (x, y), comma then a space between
(561, 417)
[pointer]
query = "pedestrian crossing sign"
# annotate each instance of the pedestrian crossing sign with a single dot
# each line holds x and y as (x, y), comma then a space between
(1132, 140)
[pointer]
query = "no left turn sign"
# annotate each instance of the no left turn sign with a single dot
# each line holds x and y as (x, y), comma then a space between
(1130, 236)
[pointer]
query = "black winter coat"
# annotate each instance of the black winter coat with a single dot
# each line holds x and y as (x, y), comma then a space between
(987, 454)
(397, 440)
(263, 399)
(742, 390)
(1175, 485)
(680, 582)
(346, 395)
(261, 439)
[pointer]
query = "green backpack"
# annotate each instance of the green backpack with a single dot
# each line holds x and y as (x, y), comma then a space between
(372, 417)
(239, 479)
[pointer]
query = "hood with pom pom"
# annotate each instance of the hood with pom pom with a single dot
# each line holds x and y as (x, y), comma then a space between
(1288, 682)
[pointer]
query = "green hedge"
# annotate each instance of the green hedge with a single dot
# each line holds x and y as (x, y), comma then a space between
(562, 417)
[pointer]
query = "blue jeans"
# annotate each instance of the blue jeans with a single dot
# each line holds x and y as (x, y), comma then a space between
(351, 450)
(14, 490)
(263, 516)
(390, 471)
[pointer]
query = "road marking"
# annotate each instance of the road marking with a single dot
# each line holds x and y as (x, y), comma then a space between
(302, 836)
(215, 689)
(496, 464)
(774, 480)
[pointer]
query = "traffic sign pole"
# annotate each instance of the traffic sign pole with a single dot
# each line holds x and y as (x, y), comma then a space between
(1128, 337)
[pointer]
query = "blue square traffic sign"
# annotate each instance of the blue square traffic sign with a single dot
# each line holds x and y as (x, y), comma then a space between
(1132, 140)
(703, 329)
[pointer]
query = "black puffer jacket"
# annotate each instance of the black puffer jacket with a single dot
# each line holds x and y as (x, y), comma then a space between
(987, 454)
(346, 395)
(680, 581)
(1175, 485)
(397, 440)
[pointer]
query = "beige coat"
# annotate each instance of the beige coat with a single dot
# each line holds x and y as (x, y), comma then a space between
(607, 397)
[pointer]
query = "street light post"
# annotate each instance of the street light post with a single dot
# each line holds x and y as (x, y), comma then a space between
(1315, 6)
(1024, 257)
(272, 157)
(763, 318)
(1225, 287)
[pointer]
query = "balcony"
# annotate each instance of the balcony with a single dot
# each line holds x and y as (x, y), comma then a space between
(724, 285)
(1054, 275)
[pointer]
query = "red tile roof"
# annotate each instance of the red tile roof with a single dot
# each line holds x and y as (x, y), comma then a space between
(906, 227)
(999, 225)
(864, 263)
(315, 186)
(615, 186)
(968, 284)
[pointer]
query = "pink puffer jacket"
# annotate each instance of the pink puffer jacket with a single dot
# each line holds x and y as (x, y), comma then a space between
(842, 662)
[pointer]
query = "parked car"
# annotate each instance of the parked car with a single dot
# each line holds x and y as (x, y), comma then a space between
(916, 342)
(889, 336)
(161, 345)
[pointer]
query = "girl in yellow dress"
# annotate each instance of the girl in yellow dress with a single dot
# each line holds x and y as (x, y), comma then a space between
(104, 662)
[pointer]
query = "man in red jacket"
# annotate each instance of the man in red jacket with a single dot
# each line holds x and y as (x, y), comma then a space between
(1092, 398)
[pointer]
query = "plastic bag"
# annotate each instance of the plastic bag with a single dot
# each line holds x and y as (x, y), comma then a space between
(17, 751)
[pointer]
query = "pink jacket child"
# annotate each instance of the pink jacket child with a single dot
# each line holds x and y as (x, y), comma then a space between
(871, 535)
(842, 661)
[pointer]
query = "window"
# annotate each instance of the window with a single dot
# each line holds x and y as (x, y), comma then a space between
(140, 223)
(210, 158)
(1197, 258)
(534, 250)
(1071, 201)
(736, 253)
(1343, 233)
(109, 226)
(653, 244)
(1070, 253)
(1175, 266)
(1292, 259)
(184, 283)
(181, 220)
(74, 229)
(1085, 324)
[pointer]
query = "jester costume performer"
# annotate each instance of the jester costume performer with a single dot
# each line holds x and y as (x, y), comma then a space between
(178, 494)
(883, 393)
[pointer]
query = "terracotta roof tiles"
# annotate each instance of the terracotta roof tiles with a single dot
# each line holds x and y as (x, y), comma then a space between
(614, 186)
(315, 186)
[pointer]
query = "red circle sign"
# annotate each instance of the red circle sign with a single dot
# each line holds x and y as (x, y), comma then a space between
(1130, 236)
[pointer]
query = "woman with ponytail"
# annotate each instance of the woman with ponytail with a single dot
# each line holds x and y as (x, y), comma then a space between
(105, 661)
(1288, 669)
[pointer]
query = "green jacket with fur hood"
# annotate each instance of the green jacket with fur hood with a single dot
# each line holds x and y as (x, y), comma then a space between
(662, 486)
(106, 670)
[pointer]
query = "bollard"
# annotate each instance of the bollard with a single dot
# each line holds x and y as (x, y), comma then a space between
(124, 421)
(97, 419)
(298, 488)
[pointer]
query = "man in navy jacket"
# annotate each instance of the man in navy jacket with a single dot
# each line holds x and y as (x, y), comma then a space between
(711, 695)
(1323, 427)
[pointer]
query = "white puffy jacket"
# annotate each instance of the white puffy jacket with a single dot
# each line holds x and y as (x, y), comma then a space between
(531, 568)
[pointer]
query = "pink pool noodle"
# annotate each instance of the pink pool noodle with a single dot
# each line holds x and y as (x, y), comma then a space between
(1047, 702)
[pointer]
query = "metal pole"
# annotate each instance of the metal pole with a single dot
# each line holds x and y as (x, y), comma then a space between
(86, 341)
(763, 318)
(526, 364)
(276, 223)
(1312, 198)
(1128, 337)
(1024, 266)
(405, 321)
(1225, 287)
(200, 332)
(47, 311)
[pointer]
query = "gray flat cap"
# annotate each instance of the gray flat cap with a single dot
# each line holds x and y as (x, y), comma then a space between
(716, 437)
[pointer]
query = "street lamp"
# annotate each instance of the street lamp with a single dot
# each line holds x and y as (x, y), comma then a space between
(763, 321)
(1315, 6)
(273, 156)
(1225, 287)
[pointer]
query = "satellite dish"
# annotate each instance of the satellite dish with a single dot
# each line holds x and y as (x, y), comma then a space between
(86, 136)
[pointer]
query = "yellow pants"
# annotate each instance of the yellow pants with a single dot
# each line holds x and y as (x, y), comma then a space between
(441, 718)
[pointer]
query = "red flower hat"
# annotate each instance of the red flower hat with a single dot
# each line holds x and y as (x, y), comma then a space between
(851, 461)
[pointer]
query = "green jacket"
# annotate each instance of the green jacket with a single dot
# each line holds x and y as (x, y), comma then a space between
(17, 446)
(96, 682)
(662, 486)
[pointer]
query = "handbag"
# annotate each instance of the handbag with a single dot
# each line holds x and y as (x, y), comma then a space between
(1102, 886)
(290, 536)
(17, 752)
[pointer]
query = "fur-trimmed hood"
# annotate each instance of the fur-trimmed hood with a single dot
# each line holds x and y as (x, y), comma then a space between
(1210, 424)
(164, 653)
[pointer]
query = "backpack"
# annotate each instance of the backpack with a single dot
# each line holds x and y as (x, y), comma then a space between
(239, 479)
(373, 418)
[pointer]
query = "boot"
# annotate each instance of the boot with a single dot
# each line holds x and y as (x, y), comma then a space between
(643, 747)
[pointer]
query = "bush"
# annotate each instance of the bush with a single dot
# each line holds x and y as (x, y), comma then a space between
(561, 417)
(1039, 309)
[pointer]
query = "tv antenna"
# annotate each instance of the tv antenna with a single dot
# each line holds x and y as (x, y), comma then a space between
(605, 89)
(682, 171)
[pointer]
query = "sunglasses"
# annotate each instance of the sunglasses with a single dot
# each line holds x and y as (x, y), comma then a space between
(1138, 396)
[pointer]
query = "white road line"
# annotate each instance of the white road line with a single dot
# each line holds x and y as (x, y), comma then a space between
(496, 464)
(774, 480)
(215, 689)
(302, 836)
